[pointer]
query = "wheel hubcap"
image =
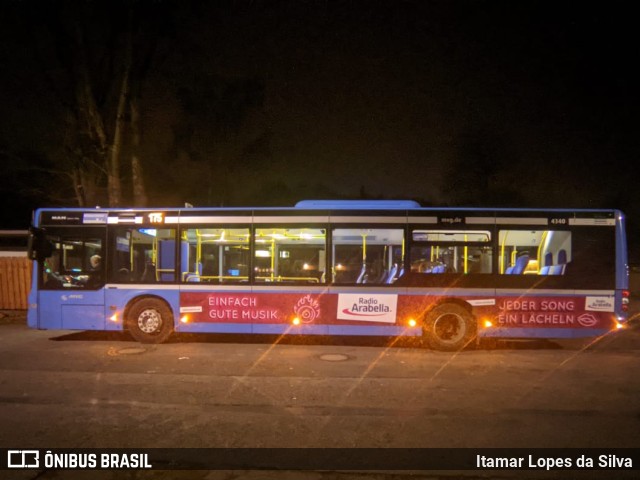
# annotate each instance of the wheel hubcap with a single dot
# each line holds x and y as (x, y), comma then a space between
(449, 327)
(149, 321)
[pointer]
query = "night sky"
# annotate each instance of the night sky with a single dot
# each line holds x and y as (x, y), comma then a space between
(475, 103)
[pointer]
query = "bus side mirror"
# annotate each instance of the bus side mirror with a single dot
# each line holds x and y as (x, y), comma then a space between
(39, 247)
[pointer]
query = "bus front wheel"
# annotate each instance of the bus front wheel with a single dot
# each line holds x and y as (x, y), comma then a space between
(449, 327)
(150, 321)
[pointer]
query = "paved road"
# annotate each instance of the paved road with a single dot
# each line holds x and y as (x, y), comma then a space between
(88, 389)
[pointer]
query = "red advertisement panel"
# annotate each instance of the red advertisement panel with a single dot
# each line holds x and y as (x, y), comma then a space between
(554, 312)
(257, 307)
(390, 309)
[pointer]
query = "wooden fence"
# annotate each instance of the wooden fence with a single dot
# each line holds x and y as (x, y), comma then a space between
(15, 282)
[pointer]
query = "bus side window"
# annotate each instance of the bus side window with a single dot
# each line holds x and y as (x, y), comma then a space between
(144, 255)
(215, 255)
(372, 256)
(74, 263)
(451, 251)
(290, 255)
(534, 252)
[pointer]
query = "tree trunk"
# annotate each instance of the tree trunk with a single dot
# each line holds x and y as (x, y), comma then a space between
(79, 188)
(92, 127)
(114, 188)
(85, 184)
(137, 177)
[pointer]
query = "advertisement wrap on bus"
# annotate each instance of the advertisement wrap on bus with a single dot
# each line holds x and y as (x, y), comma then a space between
(389, 268)
(345, 309)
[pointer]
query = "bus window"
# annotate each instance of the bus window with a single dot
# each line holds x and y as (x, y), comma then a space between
(534, 252)
(75, 262)
(145, 255)
(367, 255)
(593, 254)
(451, 251)
(215, 255)
(290, 255)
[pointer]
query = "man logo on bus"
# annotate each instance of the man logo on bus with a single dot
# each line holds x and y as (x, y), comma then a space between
(307, 309)
(587, 320)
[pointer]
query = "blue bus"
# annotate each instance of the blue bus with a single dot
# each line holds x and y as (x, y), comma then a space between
(393, 268)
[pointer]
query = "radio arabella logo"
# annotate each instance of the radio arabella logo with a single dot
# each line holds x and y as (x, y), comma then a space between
(367, 307)
(23, 459)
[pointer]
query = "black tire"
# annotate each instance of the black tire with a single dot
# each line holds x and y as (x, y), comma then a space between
(150, 321)
(449, 327)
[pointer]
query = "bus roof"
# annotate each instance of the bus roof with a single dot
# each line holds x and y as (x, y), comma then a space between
(357, 204)
(378, 206)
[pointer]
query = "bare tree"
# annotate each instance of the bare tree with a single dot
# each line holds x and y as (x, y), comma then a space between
(88, 59)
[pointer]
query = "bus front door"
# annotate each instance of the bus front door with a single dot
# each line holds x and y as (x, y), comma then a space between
(71, 293)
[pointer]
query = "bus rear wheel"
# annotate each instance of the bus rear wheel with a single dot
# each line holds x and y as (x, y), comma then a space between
(150, 321)
(449, 327)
